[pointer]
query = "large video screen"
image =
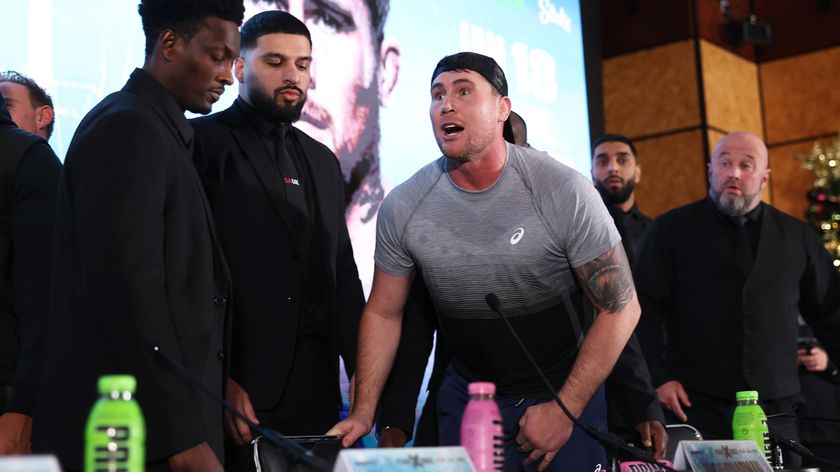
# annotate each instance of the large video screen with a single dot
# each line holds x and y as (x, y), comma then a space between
(372, 64)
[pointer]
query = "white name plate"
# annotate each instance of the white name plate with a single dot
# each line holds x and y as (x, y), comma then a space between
(720, 456)
(29, 464)
(443, 459)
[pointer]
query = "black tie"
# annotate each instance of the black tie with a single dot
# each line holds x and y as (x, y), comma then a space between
(743, 248)
(290, 175)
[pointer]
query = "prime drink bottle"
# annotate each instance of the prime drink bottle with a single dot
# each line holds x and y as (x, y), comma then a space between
(115, 435)
(481, 428)
(749, 421)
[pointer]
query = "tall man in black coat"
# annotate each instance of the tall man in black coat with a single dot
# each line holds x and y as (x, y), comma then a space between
(29, 173)
(277, 196)
(136, 263)
(721, 282)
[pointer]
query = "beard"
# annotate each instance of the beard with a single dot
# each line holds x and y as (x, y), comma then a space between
(276, 109)
(731, 205)
(476, 144)
(464, 154)
(619, 195)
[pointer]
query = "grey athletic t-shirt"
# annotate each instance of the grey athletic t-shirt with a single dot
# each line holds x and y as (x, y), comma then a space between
(519, 239)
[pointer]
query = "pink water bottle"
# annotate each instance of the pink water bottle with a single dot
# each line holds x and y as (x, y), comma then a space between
(481, 428)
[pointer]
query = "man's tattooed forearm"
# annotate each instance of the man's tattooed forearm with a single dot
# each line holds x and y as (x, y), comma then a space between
(607, 280)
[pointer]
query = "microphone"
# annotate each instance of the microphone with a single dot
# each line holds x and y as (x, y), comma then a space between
(797, 448)
(605, 439)
(295, 450)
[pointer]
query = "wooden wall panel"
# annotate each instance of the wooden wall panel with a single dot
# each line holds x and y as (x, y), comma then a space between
(801, 96)
(651, 91)
(730, 82)
(790, 182)
(673, 172)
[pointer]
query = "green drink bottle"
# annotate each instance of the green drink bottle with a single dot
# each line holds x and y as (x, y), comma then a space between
(749, 421)
(115, 435)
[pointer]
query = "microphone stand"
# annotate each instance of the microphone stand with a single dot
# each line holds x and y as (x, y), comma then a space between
(605, 439)
(295, 451)
(797, 448)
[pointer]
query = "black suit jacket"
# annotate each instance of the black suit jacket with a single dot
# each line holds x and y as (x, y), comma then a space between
(727, 330)
(29, 171)
(258, 238)
(136, 264)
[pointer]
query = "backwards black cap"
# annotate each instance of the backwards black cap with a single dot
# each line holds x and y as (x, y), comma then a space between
(479, 63)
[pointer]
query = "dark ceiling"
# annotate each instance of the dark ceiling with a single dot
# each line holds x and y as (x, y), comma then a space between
(797, 26)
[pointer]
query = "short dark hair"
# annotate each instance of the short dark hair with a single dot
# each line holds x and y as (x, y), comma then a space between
(269, 22)
(38, 96)
(483, 65)
(614, 138)
(184, 17)
(378, 10)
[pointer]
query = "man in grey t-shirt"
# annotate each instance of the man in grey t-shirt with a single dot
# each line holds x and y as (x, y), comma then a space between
(489, 217)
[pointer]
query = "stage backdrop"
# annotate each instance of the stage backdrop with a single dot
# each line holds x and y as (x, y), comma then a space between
(82, 50)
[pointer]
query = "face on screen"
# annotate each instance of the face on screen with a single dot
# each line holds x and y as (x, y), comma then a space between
(342, 108)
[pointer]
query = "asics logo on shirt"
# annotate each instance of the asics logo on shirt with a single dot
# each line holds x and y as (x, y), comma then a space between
(517, 235)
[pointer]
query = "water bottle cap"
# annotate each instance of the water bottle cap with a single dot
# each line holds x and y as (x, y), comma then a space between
(120, 383)
(746, 395)
(482, 388)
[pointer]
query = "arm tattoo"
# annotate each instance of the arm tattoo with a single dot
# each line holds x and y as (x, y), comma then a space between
(607, 280)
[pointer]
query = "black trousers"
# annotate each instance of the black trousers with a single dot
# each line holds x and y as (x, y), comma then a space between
(309, 405)
(426, 434)
(712, 416)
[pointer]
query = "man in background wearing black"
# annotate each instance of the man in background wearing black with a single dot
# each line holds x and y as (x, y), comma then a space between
(615, 173)
(819, 417)
(29, 173)
(136, 263)
(721, 282)
(631, 399)
(277, 196)
(30, 106)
